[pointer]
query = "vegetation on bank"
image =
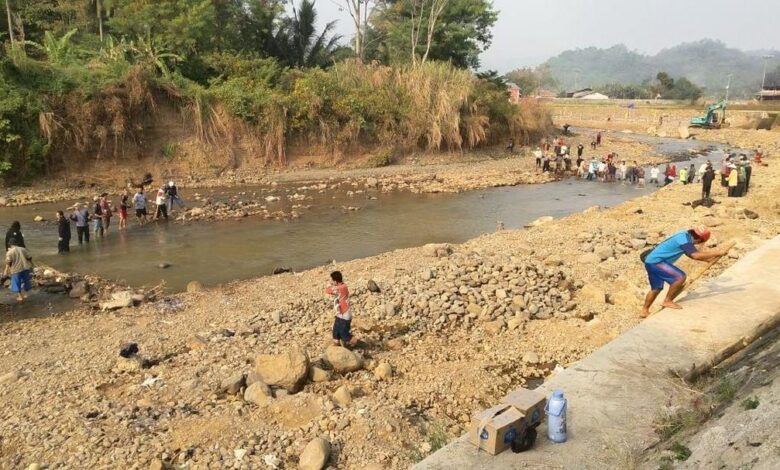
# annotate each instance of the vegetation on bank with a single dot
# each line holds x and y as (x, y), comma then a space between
(86, 80)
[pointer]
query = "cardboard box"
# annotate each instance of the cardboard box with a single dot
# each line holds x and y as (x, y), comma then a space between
(529, 402)
(494, 429)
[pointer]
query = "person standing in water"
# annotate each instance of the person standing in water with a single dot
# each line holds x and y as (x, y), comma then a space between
(684, 176)
(81, 217)
(97, 217)
(14, 233)
(105, 207)
(63, 230)
(162, 208)
(18, 266)
(124, 204)
(654, 172)
(172, 197)
(139, 201)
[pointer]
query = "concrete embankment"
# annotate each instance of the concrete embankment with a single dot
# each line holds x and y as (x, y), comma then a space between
(616, 393)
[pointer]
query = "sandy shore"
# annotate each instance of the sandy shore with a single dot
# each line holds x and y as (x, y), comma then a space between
(458, 327)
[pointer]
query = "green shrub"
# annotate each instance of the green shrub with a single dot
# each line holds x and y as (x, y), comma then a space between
(750, 403)
(681, 452)
(169, 150)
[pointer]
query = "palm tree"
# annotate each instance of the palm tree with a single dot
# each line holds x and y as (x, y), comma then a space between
(298, 43)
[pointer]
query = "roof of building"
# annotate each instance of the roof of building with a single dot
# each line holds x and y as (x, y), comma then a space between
(593, 96)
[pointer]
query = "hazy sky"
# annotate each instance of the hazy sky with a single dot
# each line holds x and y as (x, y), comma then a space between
(530, 31)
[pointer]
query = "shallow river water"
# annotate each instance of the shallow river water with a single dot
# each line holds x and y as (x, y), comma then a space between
(218, 252)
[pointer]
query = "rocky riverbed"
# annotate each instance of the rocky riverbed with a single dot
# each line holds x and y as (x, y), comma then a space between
(429, 174)
(241, 375)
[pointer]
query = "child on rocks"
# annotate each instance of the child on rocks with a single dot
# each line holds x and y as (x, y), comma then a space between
(343, 321)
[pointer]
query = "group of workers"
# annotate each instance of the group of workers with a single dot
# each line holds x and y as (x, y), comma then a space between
(18, 261)
(103, 211)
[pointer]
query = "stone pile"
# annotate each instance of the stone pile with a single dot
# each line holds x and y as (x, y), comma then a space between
(466, 289)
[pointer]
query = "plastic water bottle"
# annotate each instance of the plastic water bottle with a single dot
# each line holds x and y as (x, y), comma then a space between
(556, 417)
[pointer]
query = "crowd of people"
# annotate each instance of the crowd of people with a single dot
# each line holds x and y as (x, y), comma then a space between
(103, 211)
(18, 261)
(554, 156)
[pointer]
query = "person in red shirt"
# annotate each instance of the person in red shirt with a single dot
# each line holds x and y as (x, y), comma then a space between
(343, 321)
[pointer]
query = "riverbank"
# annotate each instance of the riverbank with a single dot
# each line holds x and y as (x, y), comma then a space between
(425, 173)
(649, 380)
(458, 327)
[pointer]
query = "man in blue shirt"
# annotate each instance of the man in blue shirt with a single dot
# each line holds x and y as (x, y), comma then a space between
(660, 267)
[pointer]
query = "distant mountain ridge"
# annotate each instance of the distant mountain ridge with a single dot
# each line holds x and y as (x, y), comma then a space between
(706, 62)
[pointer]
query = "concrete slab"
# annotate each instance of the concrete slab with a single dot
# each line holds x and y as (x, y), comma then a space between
(615, 393)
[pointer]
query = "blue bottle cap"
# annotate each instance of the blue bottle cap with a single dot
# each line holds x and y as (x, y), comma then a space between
(558, 394)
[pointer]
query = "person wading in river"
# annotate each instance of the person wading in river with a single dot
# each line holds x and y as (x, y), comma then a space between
(63, 232)
(342, 325)
(162, 207)
(105, 207)
(18, 265)
(97, 217)
(81, 216)
(124, 204)
(14, 233)
(139, 201)
(659, 264)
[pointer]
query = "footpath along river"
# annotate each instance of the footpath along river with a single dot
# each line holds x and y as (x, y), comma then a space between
(219, 252)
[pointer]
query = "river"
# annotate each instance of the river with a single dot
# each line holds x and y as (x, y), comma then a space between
(219, 252)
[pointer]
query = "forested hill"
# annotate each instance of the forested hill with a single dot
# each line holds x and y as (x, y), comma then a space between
(706, 63)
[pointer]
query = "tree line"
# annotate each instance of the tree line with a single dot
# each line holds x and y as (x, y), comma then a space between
(85, 75)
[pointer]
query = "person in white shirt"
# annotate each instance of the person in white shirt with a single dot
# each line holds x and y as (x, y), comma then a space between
(538, 156)
(654, 173)
(162, 207)
(702, 170)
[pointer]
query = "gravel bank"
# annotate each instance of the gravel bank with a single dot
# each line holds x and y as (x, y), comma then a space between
(452, 330)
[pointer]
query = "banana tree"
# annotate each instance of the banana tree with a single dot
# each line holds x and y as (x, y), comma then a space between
(149, 50)
(58, 51)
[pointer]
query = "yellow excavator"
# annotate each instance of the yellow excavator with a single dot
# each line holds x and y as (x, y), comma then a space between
(714, 118)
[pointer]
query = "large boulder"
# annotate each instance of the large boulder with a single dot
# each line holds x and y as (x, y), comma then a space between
(342, 359)
(258, 393)
(383, 371)
(287, 371)
(342, 396)
(79, 289)
(604, 252)
(233, 384)
(437, 250)
(315, 455)
(194, 286)
(593, 294)
(118, 300)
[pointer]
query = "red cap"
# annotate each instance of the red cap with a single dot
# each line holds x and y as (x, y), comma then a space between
(702, 232)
